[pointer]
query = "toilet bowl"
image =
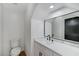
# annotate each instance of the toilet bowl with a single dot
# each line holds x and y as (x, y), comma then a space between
(15, 48)
(15, 51)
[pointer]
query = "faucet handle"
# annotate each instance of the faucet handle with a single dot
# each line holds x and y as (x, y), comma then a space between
(52, 40)
(48, 35)
(52, 35)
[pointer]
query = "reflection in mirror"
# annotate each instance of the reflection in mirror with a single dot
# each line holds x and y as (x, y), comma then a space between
(55, 27)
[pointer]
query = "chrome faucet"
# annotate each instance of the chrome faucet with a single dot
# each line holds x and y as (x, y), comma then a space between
(49, 37)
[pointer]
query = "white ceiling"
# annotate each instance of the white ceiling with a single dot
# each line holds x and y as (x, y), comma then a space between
(42, 10)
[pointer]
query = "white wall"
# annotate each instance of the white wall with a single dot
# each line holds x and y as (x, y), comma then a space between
(1, 30)
(37, 28)
(37, 31)
(13, 27)
(28, 16)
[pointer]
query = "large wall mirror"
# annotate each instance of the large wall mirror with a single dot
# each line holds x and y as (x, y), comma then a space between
(64, 27)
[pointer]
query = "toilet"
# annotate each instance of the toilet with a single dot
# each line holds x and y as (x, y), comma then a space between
(15, 48)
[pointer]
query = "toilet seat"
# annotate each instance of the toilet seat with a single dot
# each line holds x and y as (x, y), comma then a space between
(15, 51)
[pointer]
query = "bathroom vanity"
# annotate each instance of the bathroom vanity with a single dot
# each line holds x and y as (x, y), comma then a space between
(43, 47)
(41, 50)
(57, 30)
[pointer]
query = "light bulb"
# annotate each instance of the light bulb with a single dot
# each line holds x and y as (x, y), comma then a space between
(51, 6)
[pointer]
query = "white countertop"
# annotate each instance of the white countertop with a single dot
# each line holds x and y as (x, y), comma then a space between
(61, 47)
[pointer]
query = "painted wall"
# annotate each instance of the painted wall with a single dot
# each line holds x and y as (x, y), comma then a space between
(1, 30)
(37, 31)
(37, 28)
(27, 34)
(13, 27)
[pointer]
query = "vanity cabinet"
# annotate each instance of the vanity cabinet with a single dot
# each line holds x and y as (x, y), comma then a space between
(41, 50)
